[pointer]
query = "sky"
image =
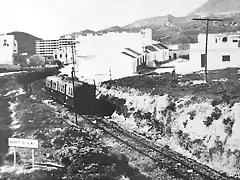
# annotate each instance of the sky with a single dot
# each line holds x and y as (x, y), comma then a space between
(49, 19)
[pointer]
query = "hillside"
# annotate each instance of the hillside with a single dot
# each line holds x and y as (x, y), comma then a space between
(218, 6)
(26, 42)
(156, 22)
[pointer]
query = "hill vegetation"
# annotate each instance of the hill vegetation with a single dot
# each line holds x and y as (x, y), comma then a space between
(26, 42)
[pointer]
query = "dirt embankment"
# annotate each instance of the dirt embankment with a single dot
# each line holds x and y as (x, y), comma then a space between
(196, 119)
(76, 153)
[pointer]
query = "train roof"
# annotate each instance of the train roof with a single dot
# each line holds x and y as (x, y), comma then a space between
(68, 80)
(53, 78)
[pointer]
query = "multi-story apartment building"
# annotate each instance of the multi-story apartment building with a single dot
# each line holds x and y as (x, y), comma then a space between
(46, 47)
(52, 48)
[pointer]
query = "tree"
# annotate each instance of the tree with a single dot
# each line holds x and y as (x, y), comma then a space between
(36, 60)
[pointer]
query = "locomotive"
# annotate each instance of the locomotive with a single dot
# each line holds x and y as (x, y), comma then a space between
(82, 96)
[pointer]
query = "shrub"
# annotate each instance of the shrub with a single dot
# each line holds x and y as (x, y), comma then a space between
(35, 175)
(82, 150)
(216, 102)
(192, 114)
(185, 123)
(228, 122)
(216, 113)
(171, 107)
(10, 157)
(208, 121)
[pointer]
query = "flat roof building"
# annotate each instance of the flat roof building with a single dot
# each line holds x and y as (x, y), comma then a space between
(50, 47)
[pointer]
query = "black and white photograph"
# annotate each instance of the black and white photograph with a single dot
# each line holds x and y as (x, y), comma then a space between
(120, 90)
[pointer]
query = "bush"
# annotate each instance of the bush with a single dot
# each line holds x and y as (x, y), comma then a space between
(192, 114)
(82, 151)
(216, 114)
(228, 122)
(35, 175)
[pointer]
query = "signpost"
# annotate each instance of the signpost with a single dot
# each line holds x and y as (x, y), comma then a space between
(23, 143)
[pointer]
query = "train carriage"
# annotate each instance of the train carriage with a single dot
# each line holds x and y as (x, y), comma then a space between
(69, 95)
(52, 83)
(82, 96)
(62, 92)
(48, 85)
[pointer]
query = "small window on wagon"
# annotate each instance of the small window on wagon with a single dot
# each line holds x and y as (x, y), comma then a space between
(54, 85)
(70, 91)
(48, 83)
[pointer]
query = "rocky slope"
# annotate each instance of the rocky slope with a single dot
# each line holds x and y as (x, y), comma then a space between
(198, 120)
(218, 6)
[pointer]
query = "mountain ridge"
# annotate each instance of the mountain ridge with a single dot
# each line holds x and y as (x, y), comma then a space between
(217, 6)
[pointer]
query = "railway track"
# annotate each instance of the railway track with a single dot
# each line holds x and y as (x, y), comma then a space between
(175, 163)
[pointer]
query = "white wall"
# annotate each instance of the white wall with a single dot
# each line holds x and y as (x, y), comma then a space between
(106, 51)
(215, 52)
(6, 52)
(100, 68)
(215, 59)
(63, 52)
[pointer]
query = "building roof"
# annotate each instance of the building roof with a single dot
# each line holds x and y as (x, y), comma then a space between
(128, 54)
(135, 52)
(160, 46)
(150, 48)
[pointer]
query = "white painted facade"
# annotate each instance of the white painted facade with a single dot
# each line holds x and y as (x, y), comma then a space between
(162, 54)
(59, 49)
(223, 52)
(8, 48)
(120, 53)
(104, 53)
(65, 55)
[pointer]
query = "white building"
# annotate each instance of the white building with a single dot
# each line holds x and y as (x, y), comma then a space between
(118, 53)
(223, 52)
(177, 51)
(115, 53)
(8, 48)
(46, 47)
(156, 52)
(60, 49)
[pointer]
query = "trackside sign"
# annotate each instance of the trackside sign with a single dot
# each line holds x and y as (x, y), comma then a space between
(25, 143)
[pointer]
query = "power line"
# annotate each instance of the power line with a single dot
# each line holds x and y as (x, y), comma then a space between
(206, 45)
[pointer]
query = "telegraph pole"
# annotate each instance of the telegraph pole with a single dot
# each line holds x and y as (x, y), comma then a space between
(66, 55)
(206, 45)
(73, 76)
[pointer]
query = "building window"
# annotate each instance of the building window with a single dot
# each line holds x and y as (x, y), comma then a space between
(174, 55)
(235, 40)
(226, 58)
(55, 56)
(203, 59)
(224, 39)
(60, 55)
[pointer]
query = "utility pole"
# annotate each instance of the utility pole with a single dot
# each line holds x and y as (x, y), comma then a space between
(206, 45)
(66, 55)
(73, 76)
(74, 100)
